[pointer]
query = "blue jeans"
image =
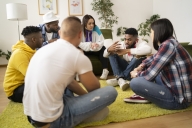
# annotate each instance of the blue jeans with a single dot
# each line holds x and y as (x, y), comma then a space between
(157, 93)
(79, 108)
(121, 68)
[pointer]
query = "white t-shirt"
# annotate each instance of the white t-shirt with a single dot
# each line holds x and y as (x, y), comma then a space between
(49, 35)
(51, 69)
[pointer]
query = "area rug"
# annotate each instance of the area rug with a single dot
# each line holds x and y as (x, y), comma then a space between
(13, 117)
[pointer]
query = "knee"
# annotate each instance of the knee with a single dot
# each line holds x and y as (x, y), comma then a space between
(134, 83)
(111, 91)
(113, 56)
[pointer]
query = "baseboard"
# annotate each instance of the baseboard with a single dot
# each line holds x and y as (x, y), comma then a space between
(3, 65)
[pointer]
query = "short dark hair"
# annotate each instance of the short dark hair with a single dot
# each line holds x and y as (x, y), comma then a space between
(163, 29)
(30, 29)
(85, 21)
(131, 31)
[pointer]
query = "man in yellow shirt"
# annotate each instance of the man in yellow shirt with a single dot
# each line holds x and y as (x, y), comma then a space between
(23, 51)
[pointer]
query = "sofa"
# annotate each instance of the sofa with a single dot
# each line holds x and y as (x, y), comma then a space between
(187, 47)
(97, 67)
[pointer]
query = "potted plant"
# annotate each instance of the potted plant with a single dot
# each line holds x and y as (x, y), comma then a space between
(107, 16)
(7, 55)
(121, 32)
(104, 9)
(144, 27)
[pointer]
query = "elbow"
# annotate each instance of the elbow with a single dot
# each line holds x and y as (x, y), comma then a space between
(98, 85)
(95, 86)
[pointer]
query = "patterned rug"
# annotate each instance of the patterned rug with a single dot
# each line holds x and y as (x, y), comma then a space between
(13, 117)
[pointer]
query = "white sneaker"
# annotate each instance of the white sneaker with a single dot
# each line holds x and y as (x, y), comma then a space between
(104, 74)
(77, 77)
(124, 84)
(112, 82)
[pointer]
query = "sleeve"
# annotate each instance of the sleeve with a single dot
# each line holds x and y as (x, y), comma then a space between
(97, 38)
(107, 44)
(21, 62)
(158, 61)
(85, 46)
(106, 54)
(147, 62)
(83, 64)
(142, 49)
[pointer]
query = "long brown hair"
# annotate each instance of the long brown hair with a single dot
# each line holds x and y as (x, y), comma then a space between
(85, 21)
(163, 30)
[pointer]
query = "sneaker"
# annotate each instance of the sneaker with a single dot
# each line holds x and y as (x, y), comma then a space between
(77, 77)
(112, 82)
(104, 74)
(136, 99)
(101, 115)
(124, 84)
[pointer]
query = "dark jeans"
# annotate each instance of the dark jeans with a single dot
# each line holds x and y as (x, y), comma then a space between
(18, 94)
(99, 54)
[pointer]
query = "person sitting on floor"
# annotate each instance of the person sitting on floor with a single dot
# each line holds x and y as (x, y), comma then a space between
(93, 42)
(17, 66)
(50, 28)
(165, 78)
(133, 54)
(48, 96)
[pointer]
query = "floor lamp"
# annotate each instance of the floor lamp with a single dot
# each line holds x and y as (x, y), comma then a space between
(16, 12)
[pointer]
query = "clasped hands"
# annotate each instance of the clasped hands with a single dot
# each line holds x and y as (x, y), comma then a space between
(136, 70)
(116, 49)
(94, 45)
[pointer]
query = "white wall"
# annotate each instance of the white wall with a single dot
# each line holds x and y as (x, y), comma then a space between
(179, 12)
(130, 13)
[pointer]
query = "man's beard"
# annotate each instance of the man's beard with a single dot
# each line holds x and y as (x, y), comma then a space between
(53, 30)
(131, 46)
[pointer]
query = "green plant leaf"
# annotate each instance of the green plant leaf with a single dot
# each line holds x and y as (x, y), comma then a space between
(104, 10)
(7, 55)
(144, 27)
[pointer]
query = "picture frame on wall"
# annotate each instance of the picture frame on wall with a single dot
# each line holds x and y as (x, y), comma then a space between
(46, 6)
(75, 7)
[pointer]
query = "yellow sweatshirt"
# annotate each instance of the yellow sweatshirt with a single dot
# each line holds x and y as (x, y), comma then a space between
(17, 67)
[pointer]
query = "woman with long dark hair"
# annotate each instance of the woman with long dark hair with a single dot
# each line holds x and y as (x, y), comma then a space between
(165, 78)
(93, 42)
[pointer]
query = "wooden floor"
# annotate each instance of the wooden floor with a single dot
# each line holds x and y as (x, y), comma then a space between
(179, 120)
